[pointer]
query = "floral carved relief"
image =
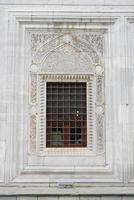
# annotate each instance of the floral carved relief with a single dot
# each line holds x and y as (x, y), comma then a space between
(48, 48)
(32, 133)
(33, 88)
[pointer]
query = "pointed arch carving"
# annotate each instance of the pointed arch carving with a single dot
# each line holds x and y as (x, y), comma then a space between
(64, 39)
(67, 59)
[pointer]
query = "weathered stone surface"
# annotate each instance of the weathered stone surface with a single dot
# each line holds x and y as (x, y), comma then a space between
(67, 41)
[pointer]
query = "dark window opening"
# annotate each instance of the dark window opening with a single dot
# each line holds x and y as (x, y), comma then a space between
(66, 116)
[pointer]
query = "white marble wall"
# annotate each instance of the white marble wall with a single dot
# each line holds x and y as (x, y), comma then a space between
(68, 198)
(118, 18)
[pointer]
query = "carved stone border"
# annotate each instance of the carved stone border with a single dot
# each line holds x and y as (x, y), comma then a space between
(92, 105)
(90, 118)
(110, 174)
(96, 141)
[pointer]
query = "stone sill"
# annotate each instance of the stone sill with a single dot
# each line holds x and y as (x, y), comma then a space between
(67, 191)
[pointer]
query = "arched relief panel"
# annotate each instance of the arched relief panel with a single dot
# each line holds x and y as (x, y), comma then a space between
(67, 59)
(65, 55)
(78, 42)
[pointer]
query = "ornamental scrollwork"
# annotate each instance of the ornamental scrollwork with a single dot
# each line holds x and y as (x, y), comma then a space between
(33, 123)
(33, 91)
(42, 43)
(89, 45)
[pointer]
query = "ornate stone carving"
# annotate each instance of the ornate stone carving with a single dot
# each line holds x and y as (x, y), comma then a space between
(33, 91)
(41, 123)
(99, 70)
(67, 59)
(89, 42)
(33, 109)
(100, 127)
(37, 39)
(32, 133)
(100, 108)
(99, 84)
(100, 132)
(79, 43)
(63, 55)
(34, 68)
(82, 77)
(99, 88)
(90, 115)
(94, 39)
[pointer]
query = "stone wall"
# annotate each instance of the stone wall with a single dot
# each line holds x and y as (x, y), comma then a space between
(68, 198)
(99, 34)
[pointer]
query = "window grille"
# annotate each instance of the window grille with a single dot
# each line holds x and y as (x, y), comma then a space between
(66, 114)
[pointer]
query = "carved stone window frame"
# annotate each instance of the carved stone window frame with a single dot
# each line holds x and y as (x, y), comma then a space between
(24, 169)
(95, 85)
(91, 122)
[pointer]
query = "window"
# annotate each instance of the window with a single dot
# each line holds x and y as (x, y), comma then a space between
(66, 114)
(67, 95)
(66, 118)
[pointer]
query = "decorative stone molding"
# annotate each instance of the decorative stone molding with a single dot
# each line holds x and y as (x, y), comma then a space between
(33, 86)
(90, 42)
(89, 79)
(33, 129)
(26, 169)
(66, 56)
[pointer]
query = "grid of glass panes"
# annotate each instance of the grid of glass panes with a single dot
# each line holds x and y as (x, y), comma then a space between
(66, 115)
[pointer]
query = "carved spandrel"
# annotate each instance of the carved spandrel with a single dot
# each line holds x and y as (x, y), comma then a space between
(95, 40)
(37, 39)
(88, 48)
(43, 43)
